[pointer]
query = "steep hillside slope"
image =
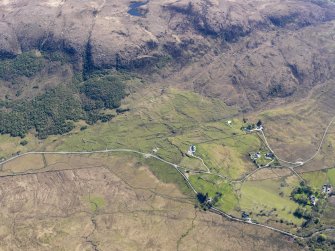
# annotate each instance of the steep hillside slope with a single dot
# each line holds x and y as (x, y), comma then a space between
(245, 50)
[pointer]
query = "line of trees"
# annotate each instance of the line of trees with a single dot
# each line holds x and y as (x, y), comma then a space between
(206, 202)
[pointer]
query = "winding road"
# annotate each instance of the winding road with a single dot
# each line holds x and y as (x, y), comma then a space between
(177, 167)
(179, 170)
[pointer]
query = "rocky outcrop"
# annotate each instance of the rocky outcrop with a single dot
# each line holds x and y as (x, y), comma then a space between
(116, 35)
(231, 20)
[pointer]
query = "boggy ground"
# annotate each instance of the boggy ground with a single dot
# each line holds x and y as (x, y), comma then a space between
(111, 202)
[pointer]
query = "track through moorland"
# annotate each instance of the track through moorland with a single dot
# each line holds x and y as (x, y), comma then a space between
(177, 167)
(288, 164)
(299, 163)
(180, 169)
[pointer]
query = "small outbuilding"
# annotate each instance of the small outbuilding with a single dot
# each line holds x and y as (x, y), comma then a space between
(269, 155)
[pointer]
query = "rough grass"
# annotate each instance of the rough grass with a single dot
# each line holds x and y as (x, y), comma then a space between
(331, 176)
(223, 159)
(295, 130)
(28, 162)
(212, 185)
(136, 211)
(316, 179)
(10, 146)
(171, 122)
(192, 163)
(167, 174)
(157, 122)
(96, 202)
(263, 196)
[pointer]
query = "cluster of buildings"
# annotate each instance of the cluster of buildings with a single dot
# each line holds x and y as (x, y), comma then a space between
(252, 127)
(327, 189)
(257, 155)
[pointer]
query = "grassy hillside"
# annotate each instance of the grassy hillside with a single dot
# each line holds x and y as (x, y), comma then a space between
(166, 121)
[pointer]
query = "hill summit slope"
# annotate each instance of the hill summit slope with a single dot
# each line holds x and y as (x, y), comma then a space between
(244, 51)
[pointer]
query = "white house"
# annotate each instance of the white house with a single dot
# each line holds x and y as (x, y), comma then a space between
(191, 150)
